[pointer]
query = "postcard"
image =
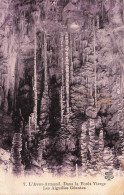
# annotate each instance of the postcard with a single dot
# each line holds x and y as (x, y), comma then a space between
(61, 97)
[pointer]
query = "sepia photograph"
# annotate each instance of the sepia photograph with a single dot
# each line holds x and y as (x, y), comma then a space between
(62, 97)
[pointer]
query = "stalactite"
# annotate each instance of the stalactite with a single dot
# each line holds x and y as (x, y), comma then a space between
(67, 73)
(13, 64)
(5, 68)
(95, 65)
(35, 79)
(16, 81)
(6, 71)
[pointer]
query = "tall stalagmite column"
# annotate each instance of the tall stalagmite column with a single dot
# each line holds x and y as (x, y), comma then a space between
(45, 64)
(62, 68)
(35, 79)
(71, 61)
(95, 65)
(67, 73)
(44, 107)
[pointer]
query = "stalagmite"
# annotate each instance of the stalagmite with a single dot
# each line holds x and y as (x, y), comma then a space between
(120, 117)
(29, 132)
(97, 17)
(29, 122)
(45, 63)
(101, 149)
(67, 73)
(87, 57)
(92, 137)
(1, 95)
(123, 10)
(91, 91)
(62, 68)
(108, 159)
(101, 143)
(83, 143)
(90, 22)
(62, 106)
(35, 79)
(5, 105)
(102, 9)
(95, 65)
(40, 152)
(71, 61)
(76, 170)
(44, 107)
(16, 159)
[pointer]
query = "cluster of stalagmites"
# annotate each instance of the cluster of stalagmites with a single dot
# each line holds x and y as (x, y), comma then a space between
(83, 67)
(94, 155)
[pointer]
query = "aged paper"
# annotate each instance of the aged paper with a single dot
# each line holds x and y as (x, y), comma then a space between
(62, 97)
